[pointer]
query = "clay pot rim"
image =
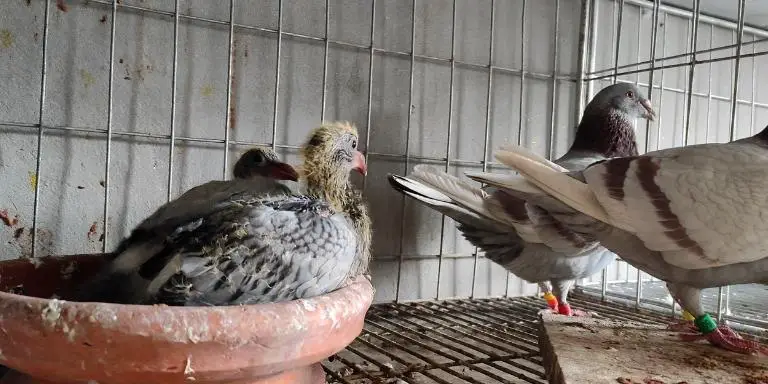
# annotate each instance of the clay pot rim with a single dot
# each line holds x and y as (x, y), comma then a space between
(8, 296)
(338, 306)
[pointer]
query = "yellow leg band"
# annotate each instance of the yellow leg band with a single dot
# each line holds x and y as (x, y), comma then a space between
(687, 316)
(551, 299)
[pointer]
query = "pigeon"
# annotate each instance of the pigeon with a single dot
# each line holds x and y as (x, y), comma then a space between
(252, 247)
(258, 171)
(691, 216)
(521, 237)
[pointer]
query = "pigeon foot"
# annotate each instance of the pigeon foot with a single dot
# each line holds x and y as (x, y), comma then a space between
(682, 326)
(726, 338)
(565, 309)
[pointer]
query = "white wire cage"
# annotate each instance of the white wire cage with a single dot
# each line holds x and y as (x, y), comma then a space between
(110, 108)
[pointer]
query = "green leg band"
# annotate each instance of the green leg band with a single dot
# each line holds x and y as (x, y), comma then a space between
(705, 324)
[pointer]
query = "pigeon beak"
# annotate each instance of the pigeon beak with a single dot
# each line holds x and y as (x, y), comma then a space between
(358, 163)
(283, 171)
(649, 113)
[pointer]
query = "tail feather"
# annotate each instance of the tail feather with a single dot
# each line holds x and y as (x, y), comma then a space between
(119, 281)
(461, 192)
(532, 156)
(439, 202)
(558, 184)
(516, 182)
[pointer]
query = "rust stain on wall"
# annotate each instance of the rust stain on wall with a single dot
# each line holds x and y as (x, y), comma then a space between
(92, 230)
(62, 5)
(7, 219)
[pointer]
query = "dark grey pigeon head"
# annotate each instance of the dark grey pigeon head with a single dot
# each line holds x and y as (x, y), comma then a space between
(624, 98)
(263, 162)
(606, 127)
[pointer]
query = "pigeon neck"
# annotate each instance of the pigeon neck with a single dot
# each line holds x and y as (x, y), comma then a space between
(610, 134)
(347, 199)
(329, 187)
(357, 210)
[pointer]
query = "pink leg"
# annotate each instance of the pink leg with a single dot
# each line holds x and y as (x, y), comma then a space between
(565, 309)
(682, 326)
(726, 338)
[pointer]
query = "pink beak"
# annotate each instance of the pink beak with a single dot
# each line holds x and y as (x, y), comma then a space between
(358, 163)
(283, 171)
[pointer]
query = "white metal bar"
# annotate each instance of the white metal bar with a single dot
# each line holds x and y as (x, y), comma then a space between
(370, 90)
(230, 65)
(448, 149)
(174, 86)
(654, 38)
(583, 52)
(709, 85)
(325, 61)
(487, 136)
(407, 142)
(692, 44)
(522, 97)
(277, 71)
(617, 39)
(110, 97)
(552, 114)
(41, 128)
(732, 131)
(661, 90)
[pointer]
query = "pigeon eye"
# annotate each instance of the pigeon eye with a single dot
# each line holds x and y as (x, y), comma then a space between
(631, 95)
(354, 144)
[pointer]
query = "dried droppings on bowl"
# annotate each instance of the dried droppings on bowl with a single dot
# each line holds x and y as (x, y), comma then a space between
(52, 312)
(52, 316)
(308, 305)
(188, 366)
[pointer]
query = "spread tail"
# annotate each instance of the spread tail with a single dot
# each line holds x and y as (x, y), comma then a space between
(560, 185)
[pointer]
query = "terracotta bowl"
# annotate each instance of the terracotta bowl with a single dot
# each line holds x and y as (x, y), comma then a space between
(54, 341)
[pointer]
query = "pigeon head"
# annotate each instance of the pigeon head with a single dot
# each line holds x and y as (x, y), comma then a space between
(606, 127)
(330, 154)
(623, 98)
(263, 162)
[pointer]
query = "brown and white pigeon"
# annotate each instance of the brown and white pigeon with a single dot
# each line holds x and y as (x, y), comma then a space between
(251, 247)
(692, 216)
(523, 238)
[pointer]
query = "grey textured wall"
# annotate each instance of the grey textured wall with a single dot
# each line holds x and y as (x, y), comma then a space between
(72, 177)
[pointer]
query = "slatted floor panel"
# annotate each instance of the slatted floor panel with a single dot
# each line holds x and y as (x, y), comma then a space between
(457, 341)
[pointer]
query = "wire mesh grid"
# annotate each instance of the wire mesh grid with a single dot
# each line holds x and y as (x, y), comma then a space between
(117, 8)
(589, 77)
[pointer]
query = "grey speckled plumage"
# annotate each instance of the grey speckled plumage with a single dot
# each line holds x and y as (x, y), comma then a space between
(523, 238)
(692, 216)
(258, 171)
(247, 246)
